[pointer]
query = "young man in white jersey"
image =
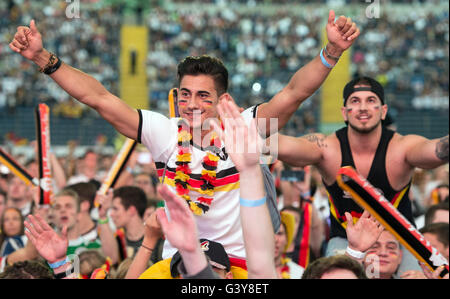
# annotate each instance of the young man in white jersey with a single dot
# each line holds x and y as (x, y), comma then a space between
(199, 93)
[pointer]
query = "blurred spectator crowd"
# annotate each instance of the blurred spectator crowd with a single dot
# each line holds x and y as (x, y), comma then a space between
(407, 52)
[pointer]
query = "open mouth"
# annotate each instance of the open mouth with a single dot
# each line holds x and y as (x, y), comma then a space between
(363, 117)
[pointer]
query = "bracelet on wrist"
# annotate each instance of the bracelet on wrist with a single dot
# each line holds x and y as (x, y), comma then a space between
(324, 61)
(52, 66)
(306, 194)
(65, 273)
(355, 253)
(59, 264)
(103, 221)
(327, 54)
(148, 248)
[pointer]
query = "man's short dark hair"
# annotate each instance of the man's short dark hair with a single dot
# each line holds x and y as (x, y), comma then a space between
(429, 215)
(85, 191)
(27, 270)
(440, 230)
(71, 193)
(326, 264)
(132, 196)
(205, 65)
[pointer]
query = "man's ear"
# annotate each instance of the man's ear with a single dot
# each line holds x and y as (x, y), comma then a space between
(344, 113)
(226, 96)
(384, 110)
(84, 206)
(132, 211)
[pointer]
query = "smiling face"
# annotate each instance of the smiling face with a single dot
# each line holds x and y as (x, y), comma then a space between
(197, 99)
(364, 111)
(388, 254)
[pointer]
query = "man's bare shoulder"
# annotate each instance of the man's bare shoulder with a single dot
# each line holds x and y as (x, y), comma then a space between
(406, 140)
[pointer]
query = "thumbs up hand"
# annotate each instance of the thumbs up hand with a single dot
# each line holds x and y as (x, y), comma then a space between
(27, 41)
(341, 33)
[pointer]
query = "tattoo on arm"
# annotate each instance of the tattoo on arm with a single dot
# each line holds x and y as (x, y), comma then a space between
(317, 139)
(442, 149)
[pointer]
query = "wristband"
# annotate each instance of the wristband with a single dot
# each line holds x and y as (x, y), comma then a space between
(51, 66)
(149, 249)
(65, 274)
(324, 61)
(103, 221)
(355, 253)
(58, 264)
(252, 203)
(335, 58)
(306, 194)
(54, 68)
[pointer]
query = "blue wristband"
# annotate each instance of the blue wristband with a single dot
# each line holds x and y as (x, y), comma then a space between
(59, 264)
(306, 194)
(324, 61)
(252, 203)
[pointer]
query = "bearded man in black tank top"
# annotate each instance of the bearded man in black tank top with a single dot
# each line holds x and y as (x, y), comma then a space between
(386, 158)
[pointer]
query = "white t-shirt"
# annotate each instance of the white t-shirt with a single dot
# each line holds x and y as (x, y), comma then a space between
(295, 270)
(221, 223)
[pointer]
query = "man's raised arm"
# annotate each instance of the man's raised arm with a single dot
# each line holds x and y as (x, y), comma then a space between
(28, 42)
(341, 35)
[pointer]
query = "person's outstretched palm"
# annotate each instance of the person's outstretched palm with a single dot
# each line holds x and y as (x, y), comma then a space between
(362, 235)
(47, 242)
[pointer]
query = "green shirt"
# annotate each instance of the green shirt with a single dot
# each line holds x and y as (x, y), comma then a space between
(85, 242)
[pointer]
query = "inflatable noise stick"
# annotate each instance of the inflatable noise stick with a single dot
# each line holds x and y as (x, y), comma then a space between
(173, 103)
(117, 167)
(43, 157)
(17, 169)
(369, 198)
